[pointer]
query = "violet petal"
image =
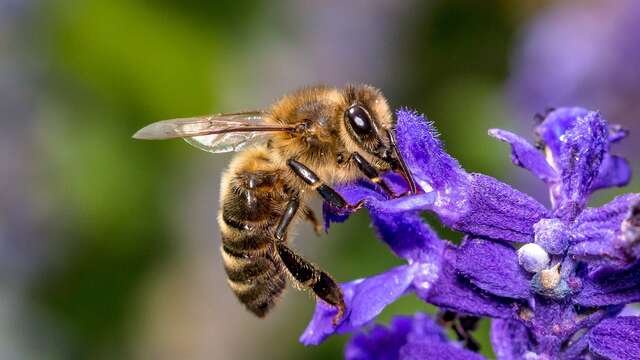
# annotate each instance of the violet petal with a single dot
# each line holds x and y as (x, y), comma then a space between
(454, 292)
(396, 221)
(498, 211)
(510, 339)
(364, 298)
(611, 287)
(602, 234)
(384, 343)
(321, 325)
(373, 294)
(581, 151)
(615, 171)
(608, 216)
(526, 155)
(407, 234)
(575, 349)
(430, 165)
(555, 125)
(493, 267)
(429, 350)
(352, 193)
(616, 338)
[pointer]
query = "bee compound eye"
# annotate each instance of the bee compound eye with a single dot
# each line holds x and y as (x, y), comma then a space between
(359, 120)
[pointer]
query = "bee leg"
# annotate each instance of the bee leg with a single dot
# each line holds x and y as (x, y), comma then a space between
(287, 217)
(462, 326)
(369, 171)
(313, 278)
(328, 194)
(311, 217)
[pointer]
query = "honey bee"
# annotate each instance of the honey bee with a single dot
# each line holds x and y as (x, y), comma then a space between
(307, 141)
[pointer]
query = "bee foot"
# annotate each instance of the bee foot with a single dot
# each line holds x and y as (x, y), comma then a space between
(339, 316)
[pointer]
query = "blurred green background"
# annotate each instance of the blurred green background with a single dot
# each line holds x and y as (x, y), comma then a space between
(109, 246)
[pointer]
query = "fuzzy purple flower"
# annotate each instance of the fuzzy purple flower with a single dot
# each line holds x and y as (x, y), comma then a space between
(558, 295)
(416, 337)
(556, 63)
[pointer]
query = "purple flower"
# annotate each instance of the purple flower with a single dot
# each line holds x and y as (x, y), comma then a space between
(557, 64)
(416, 337)
(561, 292)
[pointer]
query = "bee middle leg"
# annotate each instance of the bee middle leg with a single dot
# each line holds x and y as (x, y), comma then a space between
(327, 192)
(304, 272)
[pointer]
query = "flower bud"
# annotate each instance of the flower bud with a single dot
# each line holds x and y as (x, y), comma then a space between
(533, 258)
(552, 235)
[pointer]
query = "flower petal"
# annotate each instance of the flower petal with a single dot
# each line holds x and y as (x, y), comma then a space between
(436, 351)
(609, 234)
(496, 210)
(576, 348)
(510, 339)
(430, 165)
(493, 267)
(577, 140)
(373, 294)
(526, 155)
(617, 338)
(454, 292)
(406, 233)
(364, 298)
(611, 287)
(352, 193)
(614, 172)
(608, 216)
(385, 342)
(554, 127)
(321, 325)
(397, 222)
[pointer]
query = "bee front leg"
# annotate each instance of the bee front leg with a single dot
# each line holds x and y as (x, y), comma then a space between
(370, 172)
(327, 192)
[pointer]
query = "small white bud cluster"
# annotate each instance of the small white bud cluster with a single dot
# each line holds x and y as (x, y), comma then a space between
(533, 258)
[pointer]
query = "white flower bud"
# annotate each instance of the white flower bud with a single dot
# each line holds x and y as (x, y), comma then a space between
(533, 258)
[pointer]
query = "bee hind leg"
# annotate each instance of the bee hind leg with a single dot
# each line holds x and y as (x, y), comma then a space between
(302, 271)
(309, 276)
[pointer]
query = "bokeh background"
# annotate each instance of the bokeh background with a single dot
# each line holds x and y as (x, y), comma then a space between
(109, 247)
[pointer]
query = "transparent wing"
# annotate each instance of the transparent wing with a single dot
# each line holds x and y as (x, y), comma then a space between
(231, 141)
(216, 133)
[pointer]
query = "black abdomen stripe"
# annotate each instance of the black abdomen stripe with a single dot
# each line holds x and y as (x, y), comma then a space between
(255, 279)
(238, 225)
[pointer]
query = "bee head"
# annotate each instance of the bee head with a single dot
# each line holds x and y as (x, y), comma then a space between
(367, 118)
(370, 125)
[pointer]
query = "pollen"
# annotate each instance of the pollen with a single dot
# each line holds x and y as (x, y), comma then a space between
(550, 278)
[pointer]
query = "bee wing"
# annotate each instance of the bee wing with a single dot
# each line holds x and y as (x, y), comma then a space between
(215, 133)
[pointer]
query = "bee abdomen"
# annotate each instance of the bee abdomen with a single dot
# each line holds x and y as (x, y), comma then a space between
(245, 236)
(256, 280)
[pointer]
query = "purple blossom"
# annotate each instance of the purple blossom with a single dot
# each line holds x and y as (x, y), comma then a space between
(557, 64)
(416, 337)
(557, 296)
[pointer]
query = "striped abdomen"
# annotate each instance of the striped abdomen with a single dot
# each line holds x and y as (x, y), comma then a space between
(253, 201)
(257, 280)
